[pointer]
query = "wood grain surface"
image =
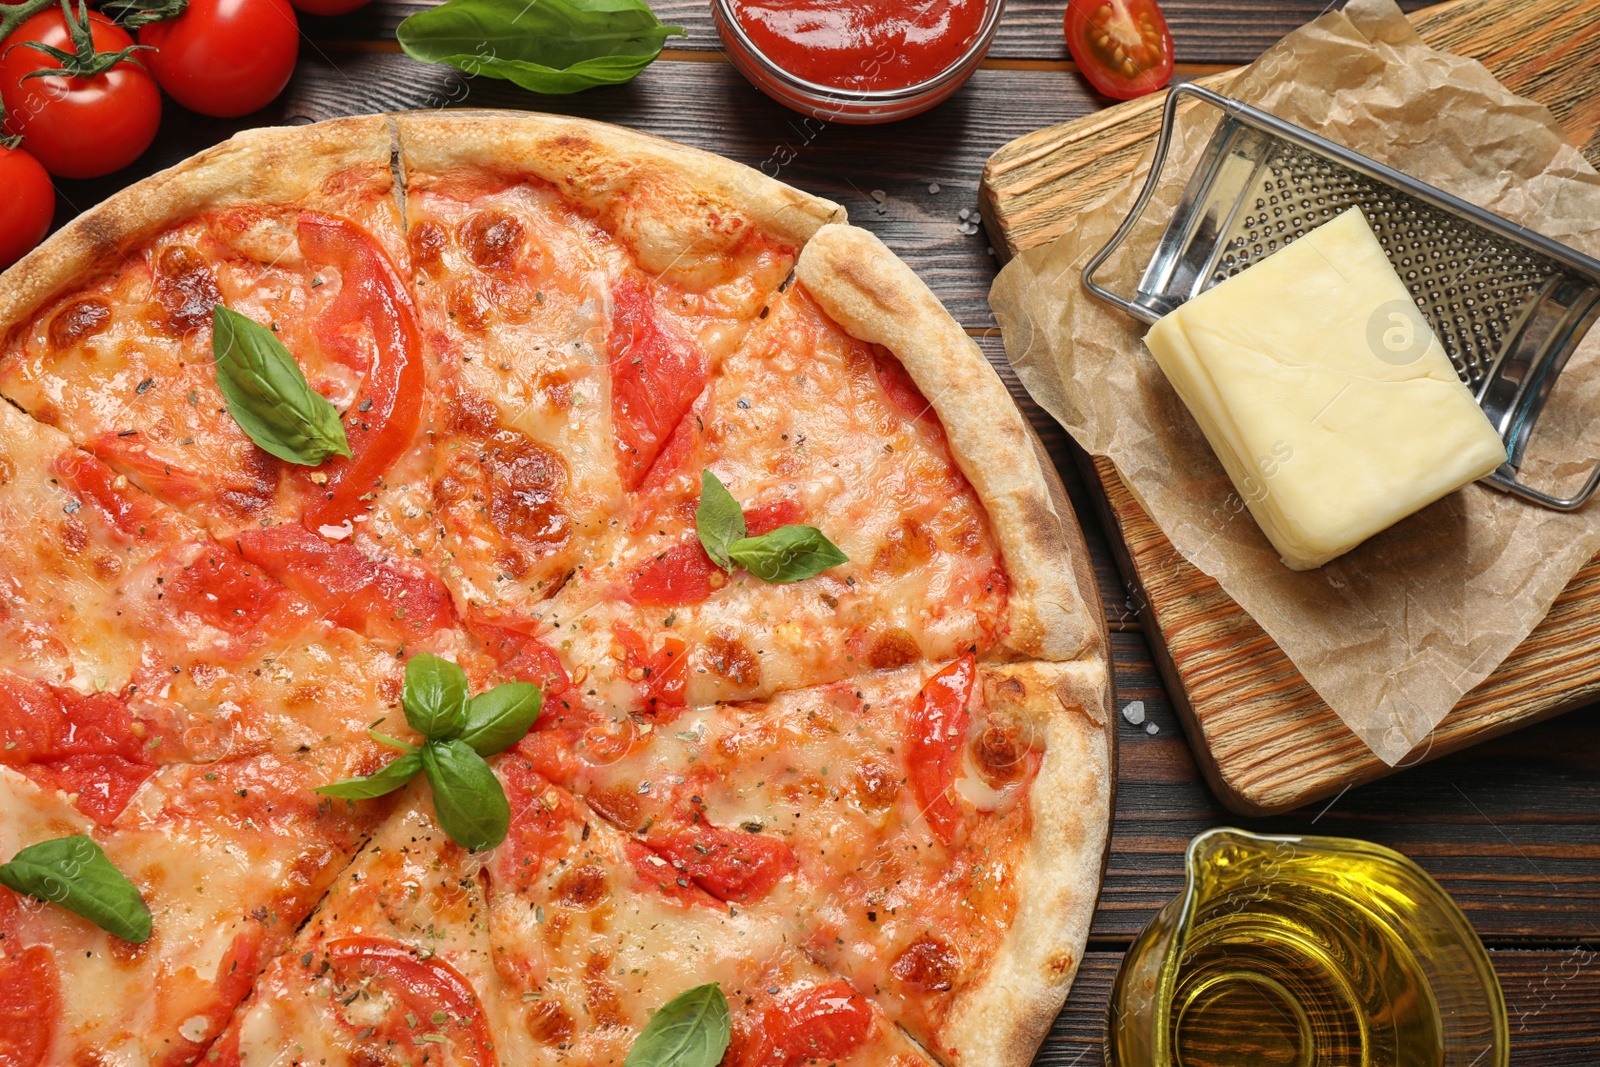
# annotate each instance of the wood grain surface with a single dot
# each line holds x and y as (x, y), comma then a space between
(1268, 742)
(1509, 828)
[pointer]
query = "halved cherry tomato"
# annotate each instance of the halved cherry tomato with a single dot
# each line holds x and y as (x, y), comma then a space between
(372, 305)
(375, 598)
(1122, 46)
(27, 207)
(30, 1004)
(938, 732)
(415, 986)
(655, 377)
(77, 127)
(827, 1022)
(224, 57)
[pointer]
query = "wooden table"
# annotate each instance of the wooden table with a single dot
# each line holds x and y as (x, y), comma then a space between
(1511, 828)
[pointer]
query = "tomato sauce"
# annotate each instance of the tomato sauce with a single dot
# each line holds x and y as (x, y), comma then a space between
(862, 44)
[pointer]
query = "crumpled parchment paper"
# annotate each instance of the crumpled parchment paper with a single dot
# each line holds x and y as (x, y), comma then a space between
(1393, 633)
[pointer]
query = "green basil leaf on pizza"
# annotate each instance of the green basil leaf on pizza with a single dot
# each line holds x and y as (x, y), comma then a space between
(498, 718)
(718, 520)
(787, 554)
(690, 1030)
(467, 797)
(435, 697)
(75, 873)
(393, 775)
(268, 396)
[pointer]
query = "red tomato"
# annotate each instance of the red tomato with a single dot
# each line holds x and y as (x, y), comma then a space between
(665, 671)
(236, 973)
(654, 379)
(131, 514)
(28, 206)
(827, 1022)
(729, 864)
(371, 597)
(77, 127)
(522, 656)
(1122, 46)
(330, 7)
(224, 57)
(938, 732)
(681, 575)
(78, 744)
(30, 1005)
(655, 871)
(393, 972)
(372, 303)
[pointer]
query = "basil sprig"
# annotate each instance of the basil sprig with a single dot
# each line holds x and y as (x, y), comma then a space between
(75, 873)
(787, 554)
(551, 46)
(690, 1030)
(459, 733)
(268, 396)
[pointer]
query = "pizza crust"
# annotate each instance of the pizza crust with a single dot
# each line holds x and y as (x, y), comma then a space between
(1054, 609)
(326, 163)
(670, 202)
(1001, 1020)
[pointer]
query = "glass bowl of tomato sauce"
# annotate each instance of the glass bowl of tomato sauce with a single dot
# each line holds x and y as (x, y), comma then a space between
(857, 61)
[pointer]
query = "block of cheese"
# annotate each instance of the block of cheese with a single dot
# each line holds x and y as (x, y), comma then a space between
(1324, 393)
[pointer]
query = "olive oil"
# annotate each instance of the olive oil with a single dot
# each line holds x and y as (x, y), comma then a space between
(1306, 952)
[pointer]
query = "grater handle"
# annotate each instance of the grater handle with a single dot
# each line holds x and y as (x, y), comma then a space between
(1169, 114)
(1505, 479)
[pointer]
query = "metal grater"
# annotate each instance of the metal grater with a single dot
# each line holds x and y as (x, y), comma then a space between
(1509, 305)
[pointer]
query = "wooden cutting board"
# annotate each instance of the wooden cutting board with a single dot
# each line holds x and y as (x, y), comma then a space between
(1264, 739)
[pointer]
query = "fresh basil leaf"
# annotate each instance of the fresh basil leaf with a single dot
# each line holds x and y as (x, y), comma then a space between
(386, 779)
(787, 554)
(546, 46)
(467, 797)
(74, 873)
(268, 396)
(718, 520)
(690, 1030)
(435, 697)
(498, 719)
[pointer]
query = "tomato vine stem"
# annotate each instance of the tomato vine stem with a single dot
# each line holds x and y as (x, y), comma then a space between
(14, 15)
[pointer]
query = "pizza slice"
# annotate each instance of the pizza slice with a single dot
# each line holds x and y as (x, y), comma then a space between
(230, 857)
(890, 434)
(931, 833)
(131, 639)
(299, 231)
(554, 948)
(576, 284)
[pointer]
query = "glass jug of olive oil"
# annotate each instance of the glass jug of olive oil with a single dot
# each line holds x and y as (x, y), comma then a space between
(1306, 952)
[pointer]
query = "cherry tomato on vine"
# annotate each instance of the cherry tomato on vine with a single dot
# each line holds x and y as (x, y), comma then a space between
(1122, 46)
(329, 7)
(26, 208)
(97, 116)
(224, 57)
